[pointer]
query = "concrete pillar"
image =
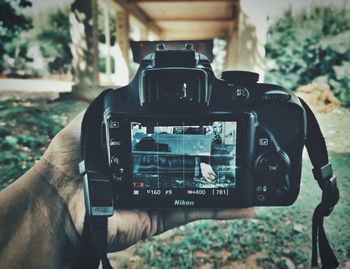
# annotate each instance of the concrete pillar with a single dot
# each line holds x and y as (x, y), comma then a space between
(95, 54)
(84, 48)
(108, 43)
(123, 33)
(246, 41)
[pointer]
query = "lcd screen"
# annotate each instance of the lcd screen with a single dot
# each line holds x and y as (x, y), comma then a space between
(184, 155)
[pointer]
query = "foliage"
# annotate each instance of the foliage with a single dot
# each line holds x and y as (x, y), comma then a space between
(25, 131)
(12, 23)
(311, 46)
(55, 40)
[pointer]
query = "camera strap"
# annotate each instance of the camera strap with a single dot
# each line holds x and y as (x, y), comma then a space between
(99, 197)
(97, 185)
(323, 174)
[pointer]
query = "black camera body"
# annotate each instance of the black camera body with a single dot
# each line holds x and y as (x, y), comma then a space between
(177, 136)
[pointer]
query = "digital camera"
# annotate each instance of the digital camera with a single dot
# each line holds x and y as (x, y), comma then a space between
(177, 136)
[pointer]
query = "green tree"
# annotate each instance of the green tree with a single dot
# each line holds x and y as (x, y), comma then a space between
(311, 46)
(12, 23)
(55, 40)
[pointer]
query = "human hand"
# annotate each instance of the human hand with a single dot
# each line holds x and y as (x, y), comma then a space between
(125, 227)
(207, 172)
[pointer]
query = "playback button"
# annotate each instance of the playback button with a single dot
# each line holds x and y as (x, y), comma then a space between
(114, 124)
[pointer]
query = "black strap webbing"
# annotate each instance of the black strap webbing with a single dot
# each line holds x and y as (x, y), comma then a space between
(91, 255)
(94, 243)
(317, 150)
(90, 138)
(94, 238)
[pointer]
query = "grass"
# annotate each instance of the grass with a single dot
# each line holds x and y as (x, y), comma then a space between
(275, 238)
(26, 129)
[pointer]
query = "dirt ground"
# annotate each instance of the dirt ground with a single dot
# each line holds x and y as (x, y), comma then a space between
(335, 126)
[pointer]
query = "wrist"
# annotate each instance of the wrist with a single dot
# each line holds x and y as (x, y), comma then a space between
(69, 190)
(35, 211)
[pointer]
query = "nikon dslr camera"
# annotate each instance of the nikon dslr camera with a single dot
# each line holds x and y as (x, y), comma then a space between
(177, 136)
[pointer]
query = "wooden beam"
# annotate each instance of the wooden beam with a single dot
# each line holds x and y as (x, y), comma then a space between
(176, 1)
(139, 14)
(232, 39)
(191, 20)
(194, 35)
(123, 33)
(95, 41)
(108, 43)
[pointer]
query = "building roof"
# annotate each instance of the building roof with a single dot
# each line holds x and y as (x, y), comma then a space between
(186, 20)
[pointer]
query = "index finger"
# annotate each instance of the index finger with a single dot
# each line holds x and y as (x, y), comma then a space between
(175, 218)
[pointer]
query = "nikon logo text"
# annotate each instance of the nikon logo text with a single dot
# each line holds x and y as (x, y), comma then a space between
(184, 202)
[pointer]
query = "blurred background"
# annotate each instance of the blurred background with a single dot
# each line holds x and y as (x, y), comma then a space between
(57, 55)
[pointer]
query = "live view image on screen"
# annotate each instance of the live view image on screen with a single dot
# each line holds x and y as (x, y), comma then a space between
(183, 156)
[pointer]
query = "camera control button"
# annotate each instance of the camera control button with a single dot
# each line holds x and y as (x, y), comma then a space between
(114, 142)
(114, 124)
(279, 192)
(117, 177)
(115, 160)
(118, 173)
(261, 197)
(240, 93)
(272, 165)
(261, 188)
(274, 96)
(264, 141)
